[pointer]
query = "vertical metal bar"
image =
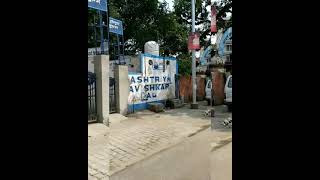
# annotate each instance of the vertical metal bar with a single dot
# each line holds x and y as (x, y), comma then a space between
(95, 97)
(118, 41)
(108, 33)
(164, 62)
(114, 50)
(95, 32)
(101, 32)
(89, 102)
(194, 87)
(123, 44)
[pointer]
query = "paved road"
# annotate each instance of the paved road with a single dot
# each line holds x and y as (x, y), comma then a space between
(189, 160)
(137, 148)
(221, 163)
(140, 136)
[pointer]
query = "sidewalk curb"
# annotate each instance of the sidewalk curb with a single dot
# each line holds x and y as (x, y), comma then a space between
(202, 128)
(221, 143)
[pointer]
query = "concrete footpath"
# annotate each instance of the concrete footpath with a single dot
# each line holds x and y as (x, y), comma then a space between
(98, 151)
(191, 159)
(221, 163)
(146, 133)
(147, 143)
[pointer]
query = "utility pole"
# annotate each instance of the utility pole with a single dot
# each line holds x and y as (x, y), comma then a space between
(194, 104)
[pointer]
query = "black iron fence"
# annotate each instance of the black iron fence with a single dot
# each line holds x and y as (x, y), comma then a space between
(112, 95)
(92, 100)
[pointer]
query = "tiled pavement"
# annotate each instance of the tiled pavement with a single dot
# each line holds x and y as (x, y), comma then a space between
(131, 143)
(98, 151)
(140, 136)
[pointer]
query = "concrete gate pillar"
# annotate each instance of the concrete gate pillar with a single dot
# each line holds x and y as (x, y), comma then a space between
(122, 88)
(101, 69)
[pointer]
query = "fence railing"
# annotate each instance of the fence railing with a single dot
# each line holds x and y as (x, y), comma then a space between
(92, 100)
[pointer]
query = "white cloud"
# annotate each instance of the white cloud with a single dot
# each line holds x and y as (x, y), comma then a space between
(170, 4)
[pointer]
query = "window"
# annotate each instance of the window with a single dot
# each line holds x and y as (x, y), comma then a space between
(229, 47)
(230, 83)
(209, 86)
(228, 59)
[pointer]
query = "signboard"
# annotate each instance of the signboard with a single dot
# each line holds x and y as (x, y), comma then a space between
(194, 41)
(153, 84)
(213, 19)
(115, 26)
(149, 88)
(98, 4)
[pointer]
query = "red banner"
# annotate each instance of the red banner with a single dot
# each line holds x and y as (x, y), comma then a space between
(194, 41)
(213, 19)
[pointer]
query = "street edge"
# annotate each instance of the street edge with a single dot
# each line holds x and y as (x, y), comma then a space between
(221, 143)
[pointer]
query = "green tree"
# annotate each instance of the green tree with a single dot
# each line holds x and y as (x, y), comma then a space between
(140, 20)
(146, 20)
(184, 64)
(183, 11)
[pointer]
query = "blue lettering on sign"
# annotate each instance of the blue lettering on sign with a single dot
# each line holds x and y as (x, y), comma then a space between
(151, 87)
(151, 78)
(137, 88)
(146, 88)
(144, 97)
(157, 79)
(143, 84)
(164, 79)
(98, 4)
(132, 80)
(139, 79)
(145, 79)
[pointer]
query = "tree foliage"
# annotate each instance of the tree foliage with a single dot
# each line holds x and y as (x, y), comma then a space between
(184, 64)
(150, 20)
(202, 20)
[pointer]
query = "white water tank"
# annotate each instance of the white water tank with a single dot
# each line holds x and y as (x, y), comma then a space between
(151, 47)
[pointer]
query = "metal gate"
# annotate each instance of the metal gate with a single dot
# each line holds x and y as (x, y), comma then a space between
(92, 100)
(112, 95)
(176, 78)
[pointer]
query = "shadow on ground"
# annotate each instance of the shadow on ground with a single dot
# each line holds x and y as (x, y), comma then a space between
(186, 113)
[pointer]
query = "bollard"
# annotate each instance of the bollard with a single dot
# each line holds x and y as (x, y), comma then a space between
(212, 112)
(211, 123)
(212, 117)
